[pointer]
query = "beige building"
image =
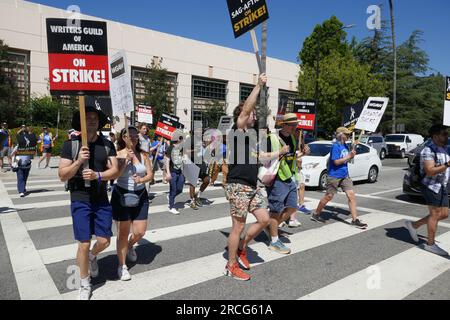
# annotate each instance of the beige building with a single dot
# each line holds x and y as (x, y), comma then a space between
(201, 74)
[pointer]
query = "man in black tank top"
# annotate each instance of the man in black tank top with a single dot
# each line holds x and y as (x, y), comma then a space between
(241, 189)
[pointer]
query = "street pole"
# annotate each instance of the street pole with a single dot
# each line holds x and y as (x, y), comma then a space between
(317, 86)
(264, 112)
(394, 104)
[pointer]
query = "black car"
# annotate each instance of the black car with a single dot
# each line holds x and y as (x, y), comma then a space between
(411, 183)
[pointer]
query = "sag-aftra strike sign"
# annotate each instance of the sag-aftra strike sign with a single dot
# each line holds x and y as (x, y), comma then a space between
(246, 14)
(78, 57)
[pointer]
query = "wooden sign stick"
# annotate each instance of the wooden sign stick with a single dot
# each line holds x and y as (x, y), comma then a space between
(84, 138)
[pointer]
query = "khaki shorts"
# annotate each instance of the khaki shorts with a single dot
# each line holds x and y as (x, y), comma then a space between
(333, 185)
(244, 199)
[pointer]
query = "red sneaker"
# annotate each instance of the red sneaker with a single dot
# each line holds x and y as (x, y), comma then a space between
(242, 258)
(235, 272)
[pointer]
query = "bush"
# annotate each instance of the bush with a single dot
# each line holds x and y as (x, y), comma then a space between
(58, 144)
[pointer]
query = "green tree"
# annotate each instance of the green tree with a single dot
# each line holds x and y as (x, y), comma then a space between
(332, 38)
(343, 81)
(9, 94)
(157, 89)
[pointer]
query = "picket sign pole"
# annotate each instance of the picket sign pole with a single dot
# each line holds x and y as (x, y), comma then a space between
(84, 139)
(256, 50)
(127, 140)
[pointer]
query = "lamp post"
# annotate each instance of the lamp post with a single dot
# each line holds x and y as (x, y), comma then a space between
(319, 39)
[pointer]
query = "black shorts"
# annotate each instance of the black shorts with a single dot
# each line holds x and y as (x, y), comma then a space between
(121, 213)
(439, 200)
(203, 171)
(47, 150)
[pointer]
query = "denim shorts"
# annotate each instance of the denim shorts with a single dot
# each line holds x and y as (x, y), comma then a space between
(439, 200)
(282, 195)
(91, 219)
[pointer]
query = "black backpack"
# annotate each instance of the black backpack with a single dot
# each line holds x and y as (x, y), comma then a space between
(418, 175)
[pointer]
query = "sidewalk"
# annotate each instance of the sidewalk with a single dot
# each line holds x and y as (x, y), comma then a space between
(52, 169)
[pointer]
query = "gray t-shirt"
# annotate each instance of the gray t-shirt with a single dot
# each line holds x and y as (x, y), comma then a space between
(175, 154)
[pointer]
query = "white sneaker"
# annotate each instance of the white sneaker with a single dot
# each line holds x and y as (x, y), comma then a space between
(435, 249)
(412, 231)
(22, 195)
(85, 293)
(123, 273)
(174, 211)
(283, 224)
(294, 223)
(132, 255)
(93, 266)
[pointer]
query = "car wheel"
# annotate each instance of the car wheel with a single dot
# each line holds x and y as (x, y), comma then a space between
(382, 154)
(323, 181)
(403, 154)
(373, 175)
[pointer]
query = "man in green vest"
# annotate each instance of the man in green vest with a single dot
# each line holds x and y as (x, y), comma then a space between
(282, 195)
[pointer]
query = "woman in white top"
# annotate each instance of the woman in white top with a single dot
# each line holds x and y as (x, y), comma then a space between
(129, 199)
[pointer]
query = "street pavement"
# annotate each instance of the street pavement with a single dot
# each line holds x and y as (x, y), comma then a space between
(183, 257)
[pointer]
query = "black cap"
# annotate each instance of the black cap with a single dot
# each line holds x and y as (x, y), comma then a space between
(102, 118)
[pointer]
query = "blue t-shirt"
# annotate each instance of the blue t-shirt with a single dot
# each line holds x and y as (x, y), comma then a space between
(47, 140)
(162, 150)
(338, 151)
(6, 143)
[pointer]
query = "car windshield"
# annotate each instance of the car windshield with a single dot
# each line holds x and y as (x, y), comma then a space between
(395, 138)
(319, 149)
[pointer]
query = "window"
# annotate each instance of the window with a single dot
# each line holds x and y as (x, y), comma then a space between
(286, 100)
(17, 68)
(244, 91)
(375, 140)
(408, 140)
(138, 76)
(209, 89)
(208, 101)
(360, 149)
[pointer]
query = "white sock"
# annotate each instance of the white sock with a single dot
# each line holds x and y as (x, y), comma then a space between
(86, 282)
(274, 239)
(199, 194)
(91, 256)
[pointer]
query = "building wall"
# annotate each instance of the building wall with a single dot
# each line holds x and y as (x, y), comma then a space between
(22, 26)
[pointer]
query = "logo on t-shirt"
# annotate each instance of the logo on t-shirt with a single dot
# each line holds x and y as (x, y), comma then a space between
(344, 153)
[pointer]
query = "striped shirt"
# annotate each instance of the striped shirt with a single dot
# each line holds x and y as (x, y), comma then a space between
(440, 156)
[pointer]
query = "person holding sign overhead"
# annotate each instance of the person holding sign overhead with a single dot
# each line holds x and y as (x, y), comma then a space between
(90, 207)
(242, 185)
(338, 177)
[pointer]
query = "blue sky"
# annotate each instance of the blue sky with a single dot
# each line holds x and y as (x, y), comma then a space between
(291, 21)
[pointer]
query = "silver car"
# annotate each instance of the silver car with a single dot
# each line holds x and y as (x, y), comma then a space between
(377, 142)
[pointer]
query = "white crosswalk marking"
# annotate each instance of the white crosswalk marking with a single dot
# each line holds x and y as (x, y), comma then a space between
(32, 277)
(398, 277)
(154, 283)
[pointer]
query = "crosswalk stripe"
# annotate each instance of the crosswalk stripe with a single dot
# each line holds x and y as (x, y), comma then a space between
(65, 221)
(65, 193)
(13, 183)
(39, 186)
(32, 277)
(68, 252)
(392, 279)
(161, 281)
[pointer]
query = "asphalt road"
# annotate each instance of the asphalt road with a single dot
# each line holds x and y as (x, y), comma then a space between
(183, 256)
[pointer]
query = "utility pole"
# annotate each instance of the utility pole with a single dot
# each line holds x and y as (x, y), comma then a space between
(394, 46)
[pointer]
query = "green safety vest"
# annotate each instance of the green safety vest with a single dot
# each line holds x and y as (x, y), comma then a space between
(284, 171)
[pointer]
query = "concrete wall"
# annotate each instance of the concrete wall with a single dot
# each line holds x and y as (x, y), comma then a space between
(22, 26)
